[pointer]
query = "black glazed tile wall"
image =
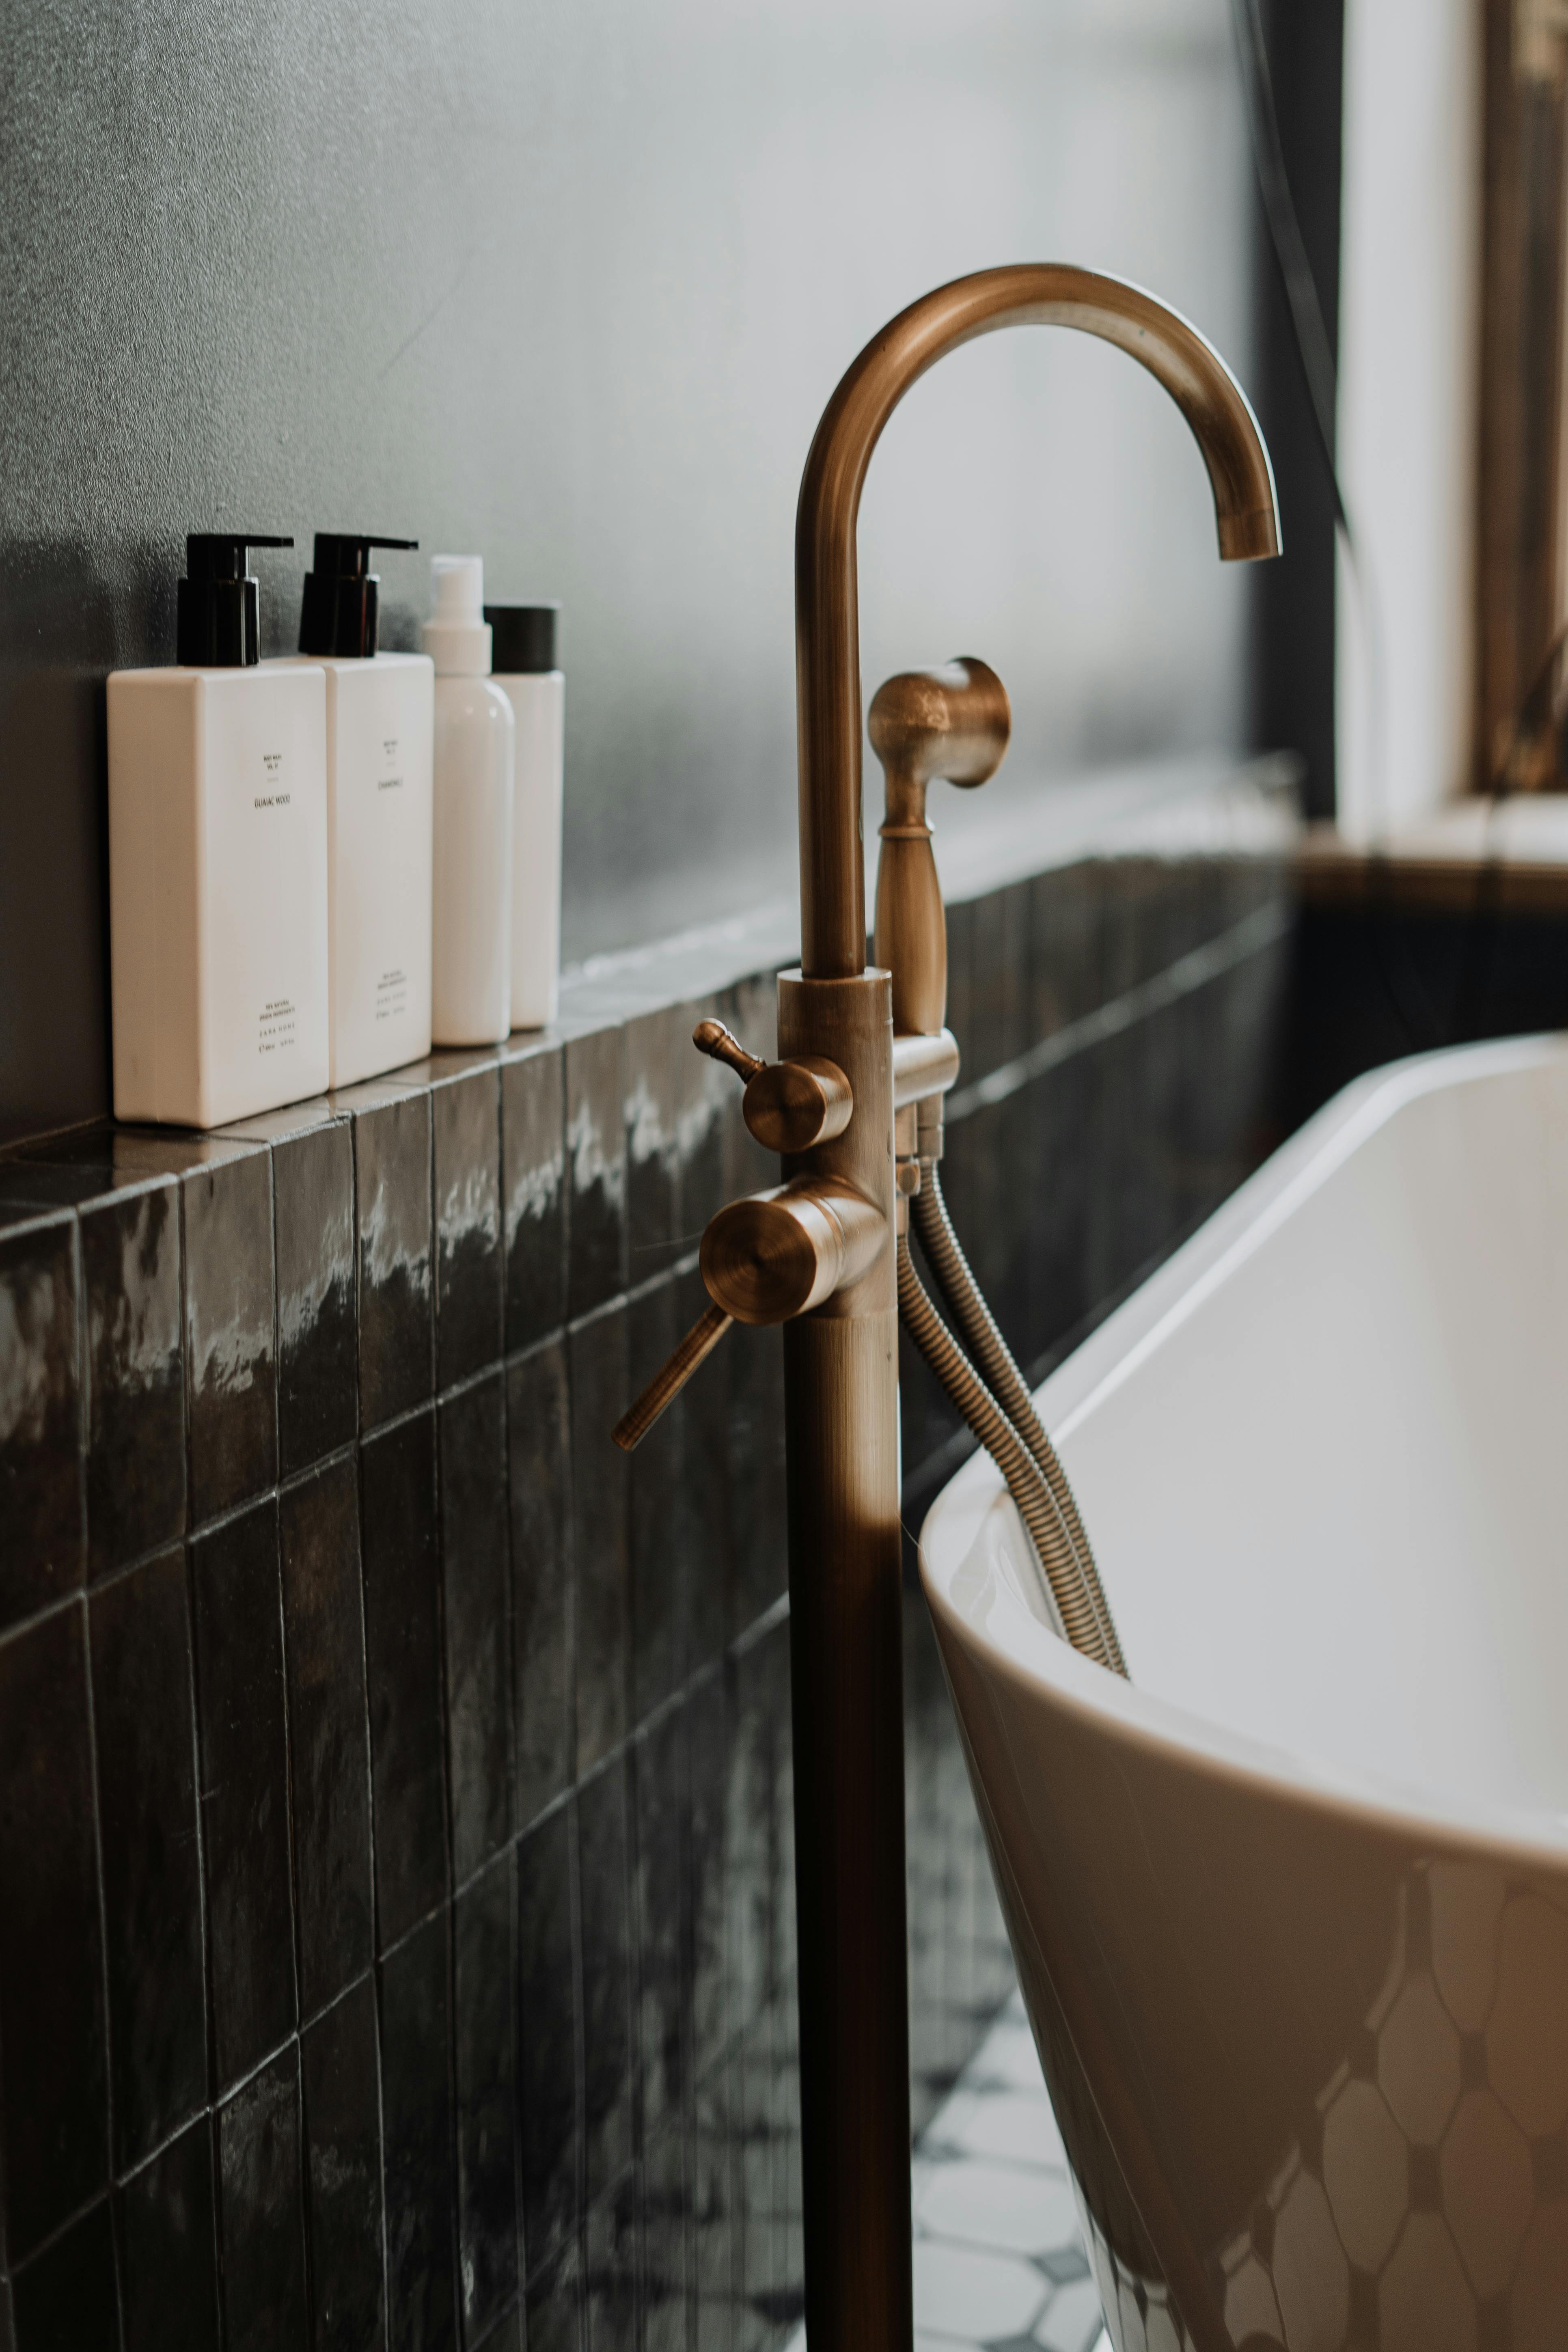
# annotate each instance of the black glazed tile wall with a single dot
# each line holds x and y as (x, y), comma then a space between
(396, 1829)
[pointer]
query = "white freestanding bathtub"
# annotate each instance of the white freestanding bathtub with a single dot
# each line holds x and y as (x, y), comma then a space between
(1290, 1909)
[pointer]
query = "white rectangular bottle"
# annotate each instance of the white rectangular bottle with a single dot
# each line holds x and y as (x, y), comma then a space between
(522, 641)
(217, 863)
(380, 720)
(471, 934)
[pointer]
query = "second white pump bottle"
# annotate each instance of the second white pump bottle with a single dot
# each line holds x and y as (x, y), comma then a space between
(474, 768)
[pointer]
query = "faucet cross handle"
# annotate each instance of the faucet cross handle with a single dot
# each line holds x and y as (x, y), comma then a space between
(790, 1107)
(721, 1045)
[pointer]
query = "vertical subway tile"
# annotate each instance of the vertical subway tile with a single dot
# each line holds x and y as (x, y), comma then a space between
(749, 1887)
(151, 1880)
(40, 1417)
(713, 2222)
(483, 1973)
(403, 1648)
(540, 1485)
(708, 1713)
(466, 1126)
(661, 1768)
(56, 2082)
(655, 1477)
(665, 2215)
(705, 1533)
(533, 1198)
(607, 2050)
(68, 2300)
(262, 2211)
(554, 2312)
(167, 2249)
(705, 1097)
(230, 1375)
(475, 1578)
(245, 1790)
(610, 2270)
(343, 2171)
(392, 1205)
(595, 1169)
(651, 1043)
(327, 1739)
(318, 1368)
(416, 2121)
(1065, 961)
(753, 1383)
(600, 1534)
(547, 2035)
(135, 1409)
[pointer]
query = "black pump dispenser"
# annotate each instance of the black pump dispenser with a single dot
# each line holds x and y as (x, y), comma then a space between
(342, 611)
(217, 615)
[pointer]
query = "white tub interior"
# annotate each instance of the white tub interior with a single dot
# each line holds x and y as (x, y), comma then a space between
(1323, 1457)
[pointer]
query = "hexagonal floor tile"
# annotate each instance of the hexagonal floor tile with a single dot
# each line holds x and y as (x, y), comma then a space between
(1004, 2206)
(1073, 2321)
(1013, 2127)
(976, 2298)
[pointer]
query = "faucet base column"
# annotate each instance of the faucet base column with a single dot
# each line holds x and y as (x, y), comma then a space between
(841, 1376)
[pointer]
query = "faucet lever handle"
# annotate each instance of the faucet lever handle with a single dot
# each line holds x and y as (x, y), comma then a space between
(671, 1377)
(712, 1037)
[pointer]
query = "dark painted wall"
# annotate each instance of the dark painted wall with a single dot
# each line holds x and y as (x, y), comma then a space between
(571, 284)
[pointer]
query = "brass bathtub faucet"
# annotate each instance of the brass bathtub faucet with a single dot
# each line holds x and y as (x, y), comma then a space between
(817, 1252)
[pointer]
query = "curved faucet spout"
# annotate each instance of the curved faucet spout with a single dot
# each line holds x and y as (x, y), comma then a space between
(827, 620)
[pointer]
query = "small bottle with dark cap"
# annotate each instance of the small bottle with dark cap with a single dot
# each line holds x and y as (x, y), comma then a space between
(526, 669)
(217, 861)
(380, 717)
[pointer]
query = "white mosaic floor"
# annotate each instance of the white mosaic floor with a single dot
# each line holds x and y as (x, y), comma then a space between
(999, 2264)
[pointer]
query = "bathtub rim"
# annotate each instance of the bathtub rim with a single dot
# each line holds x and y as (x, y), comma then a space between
(974, 1509)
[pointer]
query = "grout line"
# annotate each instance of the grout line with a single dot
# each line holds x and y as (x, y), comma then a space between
(97, 1809)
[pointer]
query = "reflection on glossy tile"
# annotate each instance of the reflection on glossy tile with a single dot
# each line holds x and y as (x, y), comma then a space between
(167, 2249)
(656, 1479)
(343, 2170)
(144, 1738)
(554, 2316)
(40, 1418)
(230, 1375)
(403, 1648)
(245, 1788)
(318, 1368)
(466, 1114)
(715, 2257)
(600, 1534)
(660, 1767)
(595, 1169)
(476, 1583)
(327, 1741)
(263, 2220)
(666, 2213)
(136, 1414)
(56, 2085)
(540, 1498)
(416, 2118)
(486, 2075)
(705, 1534)
(708, 1714)
(534, 1165)
(610, 2270)
(608, 2048)
(69, 2296)
(547, 2035)
(651, 1045)
(391, 1194)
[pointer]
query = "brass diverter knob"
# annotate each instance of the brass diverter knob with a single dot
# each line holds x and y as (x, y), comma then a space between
(789, 1106)
(781, 1253)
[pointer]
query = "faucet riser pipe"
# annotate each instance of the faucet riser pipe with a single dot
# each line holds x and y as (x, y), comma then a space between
(841, 1397)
